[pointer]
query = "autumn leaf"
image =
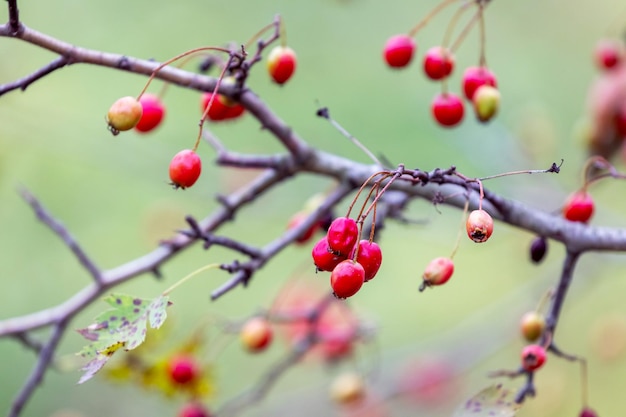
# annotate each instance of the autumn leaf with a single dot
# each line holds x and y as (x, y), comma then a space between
(493, 401)
(123, 326)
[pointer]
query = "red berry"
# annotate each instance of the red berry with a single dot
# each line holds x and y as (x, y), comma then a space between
(335, 343)
(538, 249)
(323, 257)
(370, 257)
(437, 272)
(347, 278)
(342, 235)
(474, 77)
(281, 63)
(399, 51)
(183, 369)
(532, 326)
(296, 220)
(588, 412)
(153, 112)
(438, 63)
(256, 334)
(193, 409)
(447, 108)
(222, 108)
(578, 207)
(608, 53)
(185, 169)
(479, 226)
(533, 357)
(124, 114)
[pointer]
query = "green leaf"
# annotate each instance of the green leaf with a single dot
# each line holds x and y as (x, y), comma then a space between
(493, 401)
(123, 326)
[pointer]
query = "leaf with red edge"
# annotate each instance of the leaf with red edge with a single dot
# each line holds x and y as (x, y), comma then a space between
(493, 401)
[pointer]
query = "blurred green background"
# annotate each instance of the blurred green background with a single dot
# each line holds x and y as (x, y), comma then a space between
(112, 192)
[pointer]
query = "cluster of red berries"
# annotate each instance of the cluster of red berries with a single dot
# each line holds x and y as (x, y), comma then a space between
(351, 263)
(478, 83)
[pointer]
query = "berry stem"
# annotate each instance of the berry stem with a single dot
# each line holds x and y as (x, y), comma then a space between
(385, 174)
(261, 32)
(554, 168)
(191, 275)
(452, 24)
(598, 162)
(544, 300)
(483, 36)
(584, 382)
(466, 30)
(429, 16)
(394, 177)
(181, 64)
(461, 229)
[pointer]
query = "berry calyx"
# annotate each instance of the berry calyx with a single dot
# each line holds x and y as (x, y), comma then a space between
(124, 114)
(486, 102)
(447, 109)
(437, 272)
(342, 235)
(256, 334)
(222, 108)
(479, 226)
(193, 409)
(152, 114)
(438, 63)
(370, 257)
(183, 369)
(578, 207)
(533, 357)
(474, 77)
(588, 412)
(347, 388)
(185, 169)
(323, 258)
(532, 325)
(538, 249)
(608, 53)
(398, 51)
(281, 63)
(347, 278)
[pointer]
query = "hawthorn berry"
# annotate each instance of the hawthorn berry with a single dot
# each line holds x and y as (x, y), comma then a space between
(578, 207)
(185, 169)
(532, 325)
(538, 249)
(438, 63)
(335, 343)
(342, 235)
(486, 102)
(399, 50)
(193, 409)
(533, 357)
(183, 369)
(347, 278)
(587, 412)
(153, 111)
(370, 257)
(281, 63)
(124, 114)
(447, 109)
(474, 77)
(479, 226)
(347, 388)
(222, 107)
(608, 53)
(323, 258)
(296, 220)
(256, 334)
(437, 272)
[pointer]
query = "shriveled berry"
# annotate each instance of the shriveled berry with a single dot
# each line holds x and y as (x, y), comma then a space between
(182, 369)
(538, 249)
(124, 114)
(608, 53)
(438, 63)
(342, 235)
(185, 169)
(256, 334)
(479, 226)
(281, 63)
(533, 357)
(532, 325)
(347, 278)
(152, 114)
(578, 207)
(193, 409)
(370, 257)
(347, 388)
(486, 102)
(437, 272)
(398, 51)
(323, 258)
(474, 77)
(447, 109)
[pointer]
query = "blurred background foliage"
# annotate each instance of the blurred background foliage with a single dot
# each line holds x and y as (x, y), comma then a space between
(112, 192)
